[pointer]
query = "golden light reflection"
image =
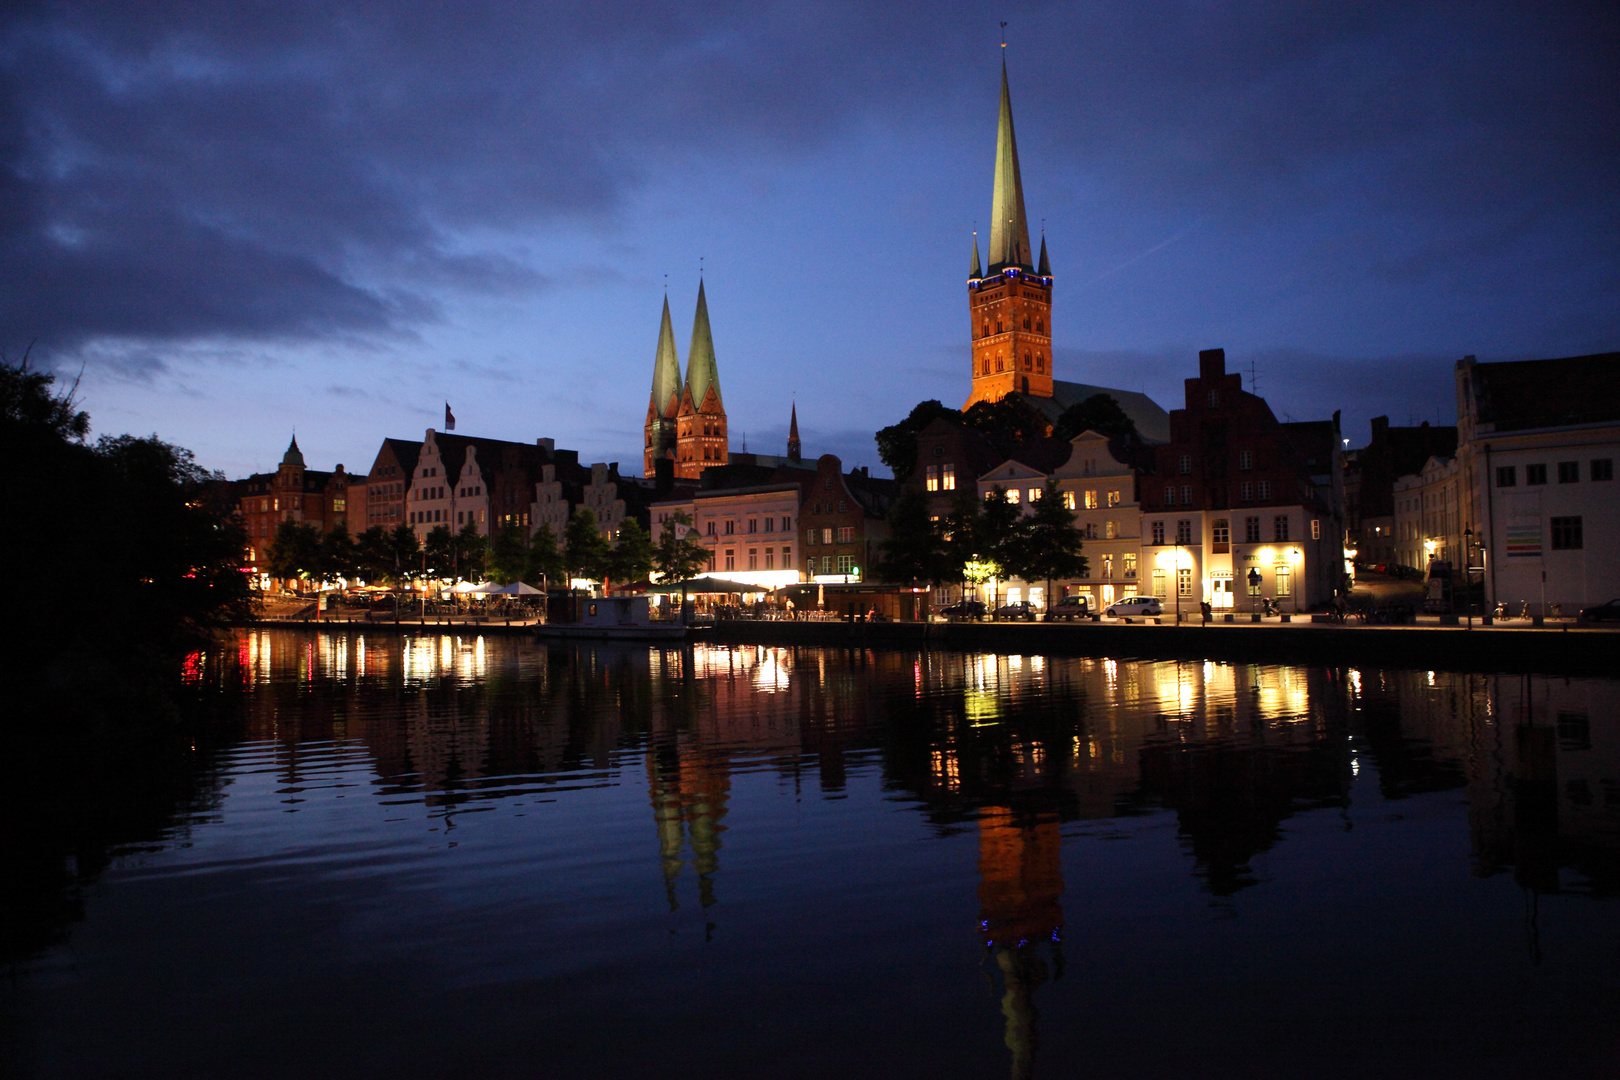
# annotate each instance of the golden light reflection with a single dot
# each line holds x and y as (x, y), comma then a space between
(771, 673)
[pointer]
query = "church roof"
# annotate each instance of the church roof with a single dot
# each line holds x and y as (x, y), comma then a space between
(1009, 226)
(1152, 422)
(701, 370)
(666, 384)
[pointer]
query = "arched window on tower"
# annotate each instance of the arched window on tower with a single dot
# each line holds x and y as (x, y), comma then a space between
(1027, 362)
(1040, 362)
(1026, 322)
(998, 361)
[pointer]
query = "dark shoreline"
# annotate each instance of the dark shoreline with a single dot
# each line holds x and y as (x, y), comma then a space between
(1496, 649)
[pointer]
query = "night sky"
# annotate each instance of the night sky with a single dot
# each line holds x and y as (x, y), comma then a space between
(243, 218)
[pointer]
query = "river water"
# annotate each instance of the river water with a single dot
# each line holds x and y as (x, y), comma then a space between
(475, 856)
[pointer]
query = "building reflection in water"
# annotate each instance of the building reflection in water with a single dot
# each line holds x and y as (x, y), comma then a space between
(1009, 747)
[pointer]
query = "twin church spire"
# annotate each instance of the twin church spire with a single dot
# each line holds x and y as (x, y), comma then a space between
(686, 422)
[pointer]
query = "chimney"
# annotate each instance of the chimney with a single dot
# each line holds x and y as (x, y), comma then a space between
(1211, 366)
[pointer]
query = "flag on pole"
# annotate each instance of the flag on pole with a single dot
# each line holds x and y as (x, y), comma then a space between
(449, 418)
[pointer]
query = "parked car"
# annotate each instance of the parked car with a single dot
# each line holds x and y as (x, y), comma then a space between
(1133, 605)
(964, 609)
(1018, 609)
(1070, 607)
(1609, 612)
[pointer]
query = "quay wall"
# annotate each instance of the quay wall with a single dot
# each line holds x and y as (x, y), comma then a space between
(1573, 651)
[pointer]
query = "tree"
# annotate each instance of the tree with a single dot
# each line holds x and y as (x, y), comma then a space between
(961, 535)
(373, 558)
(467, 553)
(1007, 424)
(632, 556)
(295, 551)
(1054, 543)
(1099, 413)
(404, 555)
(914, 550)
(897, 443)
(545, 564)
(336, 557)
(439, 551)
(508, 558)
(585, 552)
(1002, 539)
(679, 553)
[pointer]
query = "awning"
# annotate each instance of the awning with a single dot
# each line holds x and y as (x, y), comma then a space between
(704, 585)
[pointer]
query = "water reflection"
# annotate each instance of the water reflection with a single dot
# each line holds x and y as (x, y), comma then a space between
(1033, 760)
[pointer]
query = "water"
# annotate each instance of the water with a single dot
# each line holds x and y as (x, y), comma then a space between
(478, 856)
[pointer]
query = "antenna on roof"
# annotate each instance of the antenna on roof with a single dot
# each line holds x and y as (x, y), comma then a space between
(1254, 380)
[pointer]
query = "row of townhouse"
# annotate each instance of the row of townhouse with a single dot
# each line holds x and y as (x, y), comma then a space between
(1526, 505)
(777, 521)
(1234, 506)
(444, 480)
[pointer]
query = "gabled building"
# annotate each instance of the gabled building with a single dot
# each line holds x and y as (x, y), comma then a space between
(293, 492)
(386, 486)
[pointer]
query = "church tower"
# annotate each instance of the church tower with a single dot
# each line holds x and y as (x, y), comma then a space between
(700, 425)
(1010, 300)
(665, 402)
(795, 449)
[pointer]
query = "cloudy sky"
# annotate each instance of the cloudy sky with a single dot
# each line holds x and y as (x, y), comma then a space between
(243, 218)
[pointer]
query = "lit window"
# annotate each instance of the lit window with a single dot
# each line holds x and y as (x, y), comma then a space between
(1130, 564)
(1012, 495)
(933, 478)
(1184, 584)
(1109, 530)
(826, 536)
(1034, 494)
(947, 477)
(1316, 529)
(1091, 500)
(1284, 580)
(846, 534)
(1113, 498)
(1068, 500)
(1108, 567)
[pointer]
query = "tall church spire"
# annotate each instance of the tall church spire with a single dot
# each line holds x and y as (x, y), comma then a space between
(701, 370)
(1009, 227)
(700, 427)
(975, 274)
(665, 401)
(795, 451)
(666, 384)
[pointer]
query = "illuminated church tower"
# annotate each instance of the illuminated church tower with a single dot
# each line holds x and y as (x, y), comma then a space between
(665, 402)
(1010, 300)
(700, 424)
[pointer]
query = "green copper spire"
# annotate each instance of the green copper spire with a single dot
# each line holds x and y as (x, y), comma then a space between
(666, 384)
(975, 274)
(1009, 228)
(701, 371)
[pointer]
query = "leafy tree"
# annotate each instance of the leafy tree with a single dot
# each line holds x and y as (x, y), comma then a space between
(1099, 413)
(679, 554)
(545, 566)
(295, 551)
(962, 535)
(28, 404)
(1008, 424)
(585, 552)
(1002, 538)
(439, 551)
(337, 555)
(914, 550)
(897, 443)
(404, 555)
(632, 556)
(373, 558)
(1053, 542)
(467, 553)
(508, 557)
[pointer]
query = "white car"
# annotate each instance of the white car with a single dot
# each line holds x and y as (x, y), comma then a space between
(1133, 605)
